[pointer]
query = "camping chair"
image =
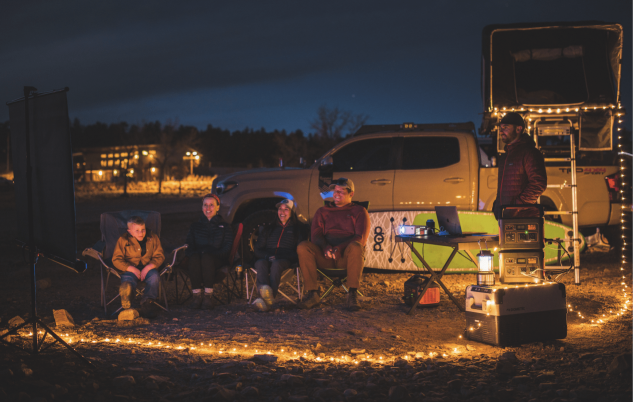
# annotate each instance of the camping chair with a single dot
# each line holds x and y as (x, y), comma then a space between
(227, 276)
(287, 277)
(113, 225)
(337, 277)
(287, 280)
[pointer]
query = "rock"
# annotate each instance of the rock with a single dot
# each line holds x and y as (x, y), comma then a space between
(357, 375)
(291, 379)
(123, 381)
(129, 314)
(63, 318)
(545, 376)
(249, 392)
(584, 393)
(520, 379)
(606, 271)
(15, 321)
(159, 380)
(59, 391)
(27, 371)
(350, 393)
(297, 398)
(265, 358)
(43, 283)
(562, 392)
(8, 338)
(322, 382)
(357, 351)
(587, 356)
(467, 392)
(318, 346)
(454, 384)
(226, 394)
(247, 364)
(505, 394)
(327, 394)
(6, 373)
(619, 364)
(508, 356)
(397, 393)
(140, 321)
(505, 367)
(544, 386)
(470, 347)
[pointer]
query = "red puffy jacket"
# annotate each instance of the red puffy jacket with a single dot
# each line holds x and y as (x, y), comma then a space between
(522, 175)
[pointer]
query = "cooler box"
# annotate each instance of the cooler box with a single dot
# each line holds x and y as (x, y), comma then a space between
(504, 315)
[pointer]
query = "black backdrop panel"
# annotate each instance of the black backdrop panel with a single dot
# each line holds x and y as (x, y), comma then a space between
(53, 185)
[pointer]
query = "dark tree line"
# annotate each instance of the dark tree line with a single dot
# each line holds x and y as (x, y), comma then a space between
(220, 147)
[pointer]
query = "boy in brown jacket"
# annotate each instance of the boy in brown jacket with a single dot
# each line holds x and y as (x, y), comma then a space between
(138, 255)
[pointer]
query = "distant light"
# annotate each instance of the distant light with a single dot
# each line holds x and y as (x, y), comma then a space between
(195, 153)
(197, 157)
(153, 169)
(188, 153)
(145, 153)
(100, 173)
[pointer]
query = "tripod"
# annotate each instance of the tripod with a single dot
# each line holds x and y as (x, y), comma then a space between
(33, 320)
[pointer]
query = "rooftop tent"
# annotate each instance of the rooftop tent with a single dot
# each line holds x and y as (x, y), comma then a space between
(570, 63)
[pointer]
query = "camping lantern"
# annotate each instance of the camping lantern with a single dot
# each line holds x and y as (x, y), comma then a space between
(485, 276)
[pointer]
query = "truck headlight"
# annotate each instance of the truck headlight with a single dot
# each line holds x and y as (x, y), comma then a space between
(225, 186)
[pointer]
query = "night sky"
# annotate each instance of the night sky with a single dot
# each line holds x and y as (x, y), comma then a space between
(268, 64)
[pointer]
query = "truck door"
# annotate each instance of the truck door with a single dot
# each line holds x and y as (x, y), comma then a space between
(369, 164)
(434, 170)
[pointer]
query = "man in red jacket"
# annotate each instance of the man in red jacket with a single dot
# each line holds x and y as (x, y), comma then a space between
(522, 175)
(339, 233)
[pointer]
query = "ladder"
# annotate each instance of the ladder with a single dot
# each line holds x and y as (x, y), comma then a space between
(555, 126)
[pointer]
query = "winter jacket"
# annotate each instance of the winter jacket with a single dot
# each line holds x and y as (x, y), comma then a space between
(339, 226)
(213, 236)
(128, 252)
(522, 175)
(279, 241)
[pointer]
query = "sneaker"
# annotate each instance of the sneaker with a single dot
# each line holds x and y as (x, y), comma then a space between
(196, 300)
(261, 304)
(266, 293)
(125, 290)
(149, 309)
(353, 304)
(207, 302)
(311, 300)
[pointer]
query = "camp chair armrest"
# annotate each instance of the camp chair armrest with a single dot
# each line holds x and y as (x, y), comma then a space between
(99, 246)
(173, 261)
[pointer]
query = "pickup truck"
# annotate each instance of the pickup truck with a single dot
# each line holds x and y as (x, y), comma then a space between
(409, 168)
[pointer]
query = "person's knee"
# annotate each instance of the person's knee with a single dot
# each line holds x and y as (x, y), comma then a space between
(261, 264)
(354, 248)
(303, 247)
(152, 276)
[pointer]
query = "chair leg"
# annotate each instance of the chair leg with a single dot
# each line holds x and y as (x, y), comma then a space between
(327, 292)
(162, 287)
(286, 296)
(299, 285)
(103, 301)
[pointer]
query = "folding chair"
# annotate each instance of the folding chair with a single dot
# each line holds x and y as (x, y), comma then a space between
(229, 280)
(113, 225)
(287, 277)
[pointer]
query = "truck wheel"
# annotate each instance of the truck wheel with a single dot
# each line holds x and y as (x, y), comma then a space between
(251, 223)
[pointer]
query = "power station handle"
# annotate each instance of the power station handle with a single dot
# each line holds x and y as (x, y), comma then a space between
(538, 207)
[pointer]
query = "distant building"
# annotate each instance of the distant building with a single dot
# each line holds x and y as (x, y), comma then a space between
(141, 161)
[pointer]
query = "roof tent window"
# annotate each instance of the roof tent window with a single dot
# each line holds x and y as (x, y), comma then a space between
(550, 76)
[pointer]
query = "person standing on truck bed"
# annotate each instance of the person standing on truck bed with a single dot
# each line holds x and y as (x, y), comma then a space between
(522, 175)
(339, 234)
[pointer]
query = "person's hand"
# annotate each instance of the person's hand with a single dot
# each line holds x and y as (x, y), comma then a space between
(271, 258)
(328, 251)
(145, 270)
(336, 253)
(135, 271)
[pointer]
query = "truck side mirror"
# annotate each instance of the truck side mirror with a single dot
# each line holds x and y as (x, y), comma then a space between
(327, 164)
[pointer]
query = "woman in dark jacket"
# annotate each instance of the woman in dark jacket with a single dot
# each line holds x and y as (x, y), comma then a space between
(276, 250)
(209, 242)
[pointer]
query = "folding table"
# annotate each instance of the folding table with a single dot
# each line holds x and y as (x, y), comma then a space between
(457, 243)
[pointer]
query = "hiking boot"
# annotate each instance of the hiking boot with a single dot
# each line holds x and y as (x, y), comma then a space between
(149, 309)
(261, 304)
(310, 300)
(125, 290)
(196, 300)
(266, 293)
(353, 304)
(207, 302)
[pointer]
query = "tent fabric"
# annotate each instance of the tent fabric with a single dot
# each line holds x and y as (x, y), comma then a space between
(114, 224)
(596, 131)
(601, 45)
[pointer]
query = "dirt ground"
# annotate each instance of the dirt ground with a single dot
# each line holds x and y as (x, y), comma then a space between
(324, 354)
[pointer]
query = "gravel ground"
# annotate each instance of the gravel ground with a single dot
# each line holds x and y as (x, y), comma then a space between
(325, 354)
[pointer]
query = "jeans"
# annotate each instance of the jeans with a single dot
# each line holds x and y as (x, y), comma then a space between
(269, 273)
(152, 281)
